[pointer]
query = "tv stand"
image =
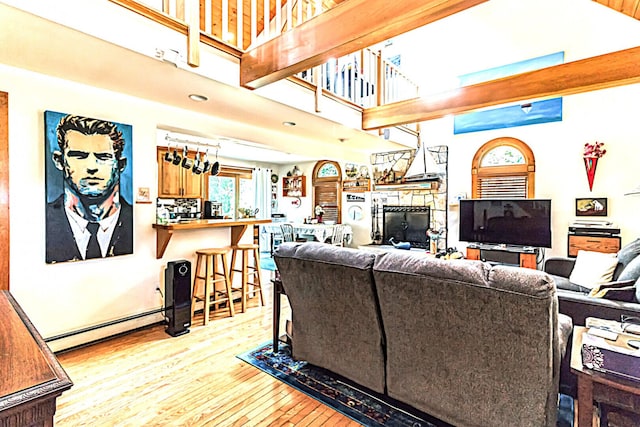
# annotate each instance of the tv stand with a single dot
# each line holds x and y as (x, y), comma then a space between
(520, 256)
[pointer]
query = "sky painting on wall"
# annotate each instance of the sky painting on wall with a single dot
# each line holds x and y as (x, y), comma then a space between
(546, 111)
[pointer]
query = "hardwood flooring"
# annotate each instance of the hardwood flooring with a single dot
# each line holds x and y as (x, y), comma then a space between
(148, 378)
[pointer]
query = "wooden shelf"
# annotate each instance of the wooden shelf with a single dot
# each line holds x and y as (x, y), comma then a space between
(359, 185)
(294, 186)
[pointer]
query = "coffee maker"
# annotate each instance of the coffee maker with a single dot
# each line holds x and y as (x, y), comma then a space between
(212, 210)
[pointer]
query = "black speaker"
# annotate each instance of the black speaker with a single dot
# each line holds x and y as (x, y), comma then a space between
(177, 302)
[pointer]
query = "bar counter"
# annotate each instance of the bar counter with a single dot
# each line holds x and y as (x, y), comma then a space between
(238, 227)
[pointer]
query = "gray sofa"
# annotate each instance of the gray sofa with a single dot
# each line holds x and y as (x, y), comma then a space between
(575, 302)
(471, 344)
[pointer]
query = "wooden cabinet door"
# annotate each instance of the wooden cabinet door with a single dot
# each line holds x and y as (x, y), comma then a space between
(191, 184)
(169, 177)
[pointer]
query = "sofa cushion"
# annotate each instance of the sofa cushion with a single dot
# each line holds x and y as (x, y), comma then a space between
(565, 328)
(629, 252)
(631, 270)
(564, 283)
(593, 268)
(335, 317)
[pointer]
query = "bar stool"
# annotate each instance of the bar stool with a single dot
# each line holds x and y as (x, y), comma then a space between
(248, 270)
(212, 275)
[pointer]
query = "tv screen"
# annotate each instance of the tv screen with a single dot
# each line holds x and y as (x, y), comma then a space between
(518, 222)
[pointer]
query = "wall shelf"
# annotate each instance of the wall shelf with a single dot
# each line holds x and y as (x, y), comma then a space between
(294, 186)
(358, 185)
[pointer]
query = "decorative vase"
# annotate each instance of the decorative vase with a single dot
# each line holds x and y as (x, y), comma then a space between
(590, 164)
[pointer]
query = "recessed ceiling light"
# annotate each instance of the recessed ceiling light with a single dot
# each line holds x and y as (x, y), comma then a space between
(198, 98)
(288, 123)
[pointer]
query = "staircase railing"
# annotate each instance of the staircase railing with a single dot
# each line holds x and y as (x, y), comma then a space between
(362, 78)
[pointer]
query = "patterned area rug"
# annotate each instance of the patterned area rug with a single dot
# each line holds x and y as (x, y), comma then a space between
(367, 408)
(334, 392)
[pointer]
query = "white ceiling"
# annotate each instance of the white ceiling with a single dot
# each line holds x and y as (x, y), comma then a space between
(36, 44)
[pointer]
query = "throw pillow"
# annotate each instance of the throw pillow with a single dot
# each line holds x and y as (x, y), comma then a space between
(593, 268)
(631, 270)
(629, 252)
(619, 291)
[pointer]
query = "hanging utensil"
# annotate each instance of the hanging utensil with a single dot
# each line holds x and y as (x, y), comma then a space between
(187, 163)
(206, 165)
(197, 165)
(215, 169)
(176, 156)
(168, 156)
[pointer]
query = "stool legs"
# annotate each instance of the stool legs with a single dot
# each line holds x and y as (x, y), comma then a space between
(246, 271)
(209, 279)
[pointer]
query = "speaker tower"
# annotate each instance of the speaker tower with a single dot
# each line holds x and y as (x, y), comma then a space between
(177, 302)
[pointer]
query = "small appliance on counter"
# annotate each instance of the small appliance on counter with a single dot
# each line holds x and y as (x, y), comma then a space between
(177, 210)
(212, 210)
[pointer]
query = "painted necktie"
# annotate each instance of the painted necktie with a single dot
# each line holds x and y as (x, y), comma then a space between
(93, 248)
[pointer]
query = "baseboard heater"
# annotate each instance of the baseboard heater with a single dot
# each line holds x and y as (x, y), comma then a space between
(103, 325)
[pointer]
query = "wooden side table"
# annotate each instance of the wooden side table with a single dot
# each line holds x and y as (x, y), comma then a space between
(611, 390)
(30, 378)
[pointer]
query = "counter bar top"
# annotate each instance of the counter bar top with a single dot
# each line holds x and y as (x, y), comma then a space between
(238, 227)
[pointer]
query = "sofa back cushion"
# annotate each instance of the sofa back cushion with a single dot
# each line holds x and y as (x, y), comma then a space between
(335, 315)
(468, 343)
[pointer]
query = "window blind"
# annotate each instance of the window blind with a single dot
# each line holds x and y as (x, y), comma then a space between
(499, 187)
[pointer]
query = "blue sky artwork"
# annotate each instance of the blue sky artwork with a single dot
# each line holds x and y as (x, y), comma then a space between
(505, 117)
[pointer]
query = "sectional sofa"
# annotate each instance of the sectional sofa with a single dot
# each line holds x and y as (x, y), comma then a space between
(469, 343)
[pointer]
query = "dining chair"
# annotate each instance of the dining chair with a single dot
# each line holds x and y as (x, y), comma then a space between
(288, 234)
(337, 238)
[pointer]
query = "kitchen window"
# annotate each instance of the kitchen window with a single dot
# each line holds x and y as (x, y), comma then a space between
(233, 188)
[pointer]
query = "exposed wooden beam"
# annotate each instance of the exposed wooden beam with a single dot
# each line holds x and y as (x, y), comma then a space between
(599, 72)
(348, 27)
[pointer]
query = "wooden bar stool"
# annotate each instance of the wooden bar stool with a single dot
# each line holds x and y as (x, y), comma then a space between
(210, 258)
(248, 270)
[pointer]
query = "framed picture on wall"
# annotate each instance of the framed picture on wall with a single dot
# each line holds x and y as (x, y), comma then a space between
(88, 186)
(591, 206)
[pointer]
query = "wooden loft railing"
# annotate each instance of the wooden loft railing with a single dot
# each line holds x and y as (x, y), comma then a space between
(363, 78)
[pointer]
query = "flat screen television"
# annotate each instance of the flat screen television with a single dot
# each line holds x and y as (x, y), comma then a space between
(517, 222)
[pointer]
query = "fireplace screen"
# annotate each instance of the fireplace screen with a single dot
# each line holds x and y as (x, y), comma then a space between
(406, 224)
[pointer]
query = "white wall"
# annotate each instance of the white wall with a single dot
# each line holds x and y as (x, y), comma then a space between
(65, 297)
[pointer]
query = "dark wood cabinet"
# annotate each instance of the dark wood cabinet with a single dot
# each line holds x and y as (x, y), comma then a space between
(31, 378)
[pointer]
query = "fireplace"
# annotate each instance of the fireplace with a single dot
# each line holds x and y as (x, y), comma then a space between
(406, 224)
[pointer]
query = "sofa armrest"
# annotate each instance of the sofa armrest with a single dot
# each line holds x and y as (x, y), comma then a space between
(580, 306)
(559, 266)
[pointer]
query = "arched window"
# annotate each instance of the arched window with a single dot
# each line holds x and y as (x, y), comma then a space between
(327, 189)
(503, 168)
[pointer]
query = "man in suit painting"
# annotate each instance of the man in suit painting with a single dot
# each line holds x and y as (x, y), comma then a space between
(90, 219)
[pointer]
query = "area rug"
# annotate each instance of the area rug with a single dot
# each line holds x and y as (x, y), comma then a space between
(266, 262)
(366, 407)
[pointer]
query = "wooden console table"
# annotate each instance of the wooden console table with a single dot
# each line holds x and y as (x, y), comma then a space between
(238, 227)
(504, 256)
(612, 390)
(31, 378)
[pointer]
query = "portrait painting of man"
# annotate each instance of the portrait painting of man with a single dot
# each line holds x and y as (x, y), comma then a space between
(89, 189)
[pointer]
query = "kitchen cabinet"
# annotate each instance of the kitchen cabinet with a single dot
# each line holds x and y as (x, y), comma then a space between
(176, 181)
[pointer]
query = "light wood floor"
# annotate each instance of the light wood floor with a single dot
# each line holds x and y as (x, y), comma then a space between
(148, 378)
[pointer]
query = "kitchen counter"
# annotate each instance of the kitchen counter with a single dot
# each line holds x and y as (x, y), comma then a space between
(238, 227)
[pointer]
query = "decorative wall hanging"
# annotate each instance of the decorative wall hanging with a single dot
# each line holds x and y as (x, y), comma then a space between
(89, 191)
(528, 113)
(592, 152)
(591, 207)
